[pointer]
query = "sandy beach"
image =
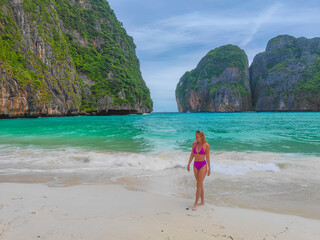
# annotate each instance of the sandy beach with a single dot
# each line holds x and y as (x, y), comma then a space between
(125, 177)
(110, 211)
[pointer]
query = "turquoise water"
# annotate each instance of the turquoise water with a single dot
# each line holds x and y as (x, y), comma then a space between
(268, 161)
(266, 132)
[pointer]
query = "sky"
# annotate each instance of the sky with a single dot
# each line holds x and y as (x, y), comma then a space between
(173, 35)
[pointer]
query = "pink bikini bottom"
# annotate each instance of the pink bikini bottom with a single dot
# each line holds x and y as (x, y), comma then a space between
(199, 164)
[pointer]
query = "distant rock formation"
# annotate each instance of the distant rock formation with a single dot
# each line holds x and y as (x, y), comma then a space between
(219, 83)
(286, 77)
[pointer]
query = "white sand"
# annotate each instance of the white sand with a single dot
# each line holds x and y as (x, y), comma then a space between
(36, 211)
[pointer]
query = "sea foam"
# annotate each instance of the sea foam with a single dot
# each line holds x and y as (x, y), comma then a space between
(68, 160)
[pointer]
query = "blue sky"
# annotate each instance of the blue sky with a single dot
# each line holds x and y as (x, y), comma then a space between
(172, 36)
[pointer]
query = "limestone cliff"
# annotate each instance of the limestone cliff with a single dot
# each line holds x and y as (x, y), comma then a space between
(66, 57)
(219, 83)
(286, 77)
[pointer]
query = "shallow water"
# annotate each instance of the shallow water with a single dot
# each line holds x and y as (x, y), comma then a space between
(268, 161)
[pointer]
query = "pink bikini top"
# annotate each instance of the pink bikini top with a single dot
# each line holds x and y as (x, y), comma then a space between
(200, 152)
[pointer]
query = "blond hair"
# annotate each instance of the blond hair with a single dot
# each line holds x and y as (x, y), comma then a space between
(202, 135)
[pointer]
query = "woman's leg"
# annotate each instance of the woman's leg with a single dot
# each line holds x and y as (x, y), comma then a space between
(200, 193)
(195, 171)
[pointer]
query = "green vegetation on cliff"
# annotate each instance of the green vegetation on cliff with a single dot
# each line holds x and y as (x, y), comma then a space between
(284, 52)
(223, 70)
(25, 65)
(81, 35)
(11, 57)
(218, 59)
(212, 65)
(287, 75)
(113, 66)
(311, 79)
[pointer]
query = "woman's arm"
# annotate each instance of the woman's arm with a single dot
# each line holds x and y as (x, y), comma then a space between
(208, 158)
(190, 158)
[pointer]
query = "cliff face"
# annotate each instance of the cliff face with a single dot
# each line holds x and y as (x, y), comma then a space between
(286, 77)
(219, 83)
(67, 58)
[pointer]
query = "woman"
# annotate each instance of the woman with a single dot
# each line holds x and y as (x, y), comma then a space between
(201, 167)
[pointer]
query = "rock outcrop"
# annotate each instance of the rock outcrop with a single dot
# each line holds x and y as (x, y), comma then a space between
(67, 57)
(286, 77)
(219, 83)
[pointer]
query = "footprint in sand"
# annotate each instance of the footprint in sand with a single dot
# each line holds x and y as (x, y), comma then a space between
(163, 213)
(16, 198)
(191, 215)
(219, 226)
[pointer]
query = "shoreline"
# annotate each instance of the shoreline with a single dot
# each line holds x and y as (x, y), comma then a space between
(124, 113)
(111, 211)
(112, 113)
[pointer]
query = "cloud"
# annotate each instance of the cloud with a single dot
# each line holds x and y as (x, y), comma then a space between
(203, 29)
(198, 28)
(264, 17)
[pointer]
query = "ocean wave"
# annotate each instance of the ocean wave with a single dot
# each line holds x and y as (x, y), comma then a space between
(245, 167)
(73, 160)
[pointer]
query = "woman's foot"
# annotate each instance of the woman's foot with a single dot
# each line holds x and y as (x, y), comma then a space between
(201, 203)
(194, 207)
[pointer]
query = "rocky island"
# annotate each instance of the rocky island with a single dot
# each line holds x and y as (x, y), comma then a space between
(67, 57)
(219, 83)
(286, 77)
